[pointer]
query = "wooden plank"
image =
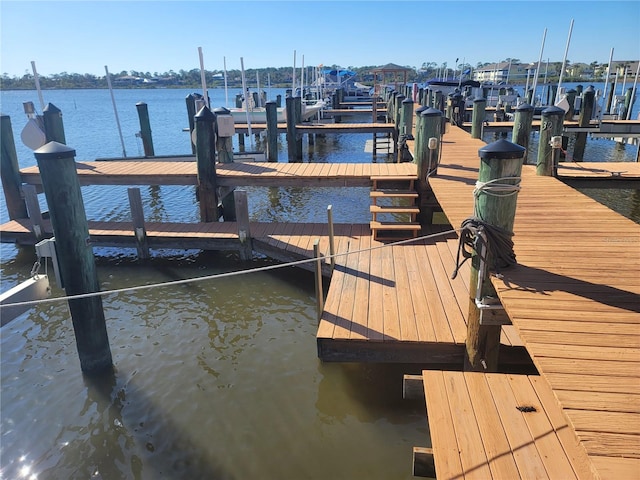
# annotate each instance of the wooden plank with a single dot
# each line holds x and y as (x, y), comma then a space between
(546, 440)
(614, 468)
(361, 313)
(494, 439)
(470, 445)
(522, 444)
(441, 426)
(406, 315)
(389, 296)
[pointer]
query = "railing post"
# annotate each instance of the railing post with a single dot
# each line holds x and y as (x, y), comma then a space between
(318, 274)
(145, 129)
(586, 111)
(479, 108)
(205, 159)
(550, 126)
(64, 198)
(10, 172)
(501, 163)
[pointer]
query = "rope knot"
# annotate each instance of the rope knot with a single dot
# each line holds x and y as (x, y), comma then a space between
(497, 243)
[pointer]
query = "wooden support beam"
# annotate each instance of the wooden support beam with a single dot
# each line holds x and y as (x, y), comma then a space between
(33, 207)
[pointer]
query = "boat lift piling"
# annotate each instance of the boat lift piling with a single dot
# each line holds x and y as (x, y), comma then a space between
(10, 172)
(145, 129)
(57, 167)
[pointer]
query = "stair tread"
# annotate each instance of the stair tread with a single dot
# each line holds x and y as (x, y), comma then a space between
(394, 193)
(394, 209)
(374, 225)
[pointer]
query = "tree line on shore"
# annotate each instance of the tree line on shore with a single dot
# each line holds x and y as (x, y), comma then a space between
(277, 77)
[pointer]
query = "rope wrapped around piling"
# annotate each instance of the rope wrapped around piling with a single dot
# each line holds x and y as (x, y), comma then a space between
(473, 231)
(498, 244)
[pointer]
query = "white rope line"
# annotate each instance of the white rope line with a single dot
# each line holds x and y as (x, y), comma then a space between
(218, 275)
(495, 189)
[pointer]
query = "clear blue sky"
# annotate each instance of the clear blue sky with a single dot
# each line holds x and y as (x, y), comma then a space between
(158, 36)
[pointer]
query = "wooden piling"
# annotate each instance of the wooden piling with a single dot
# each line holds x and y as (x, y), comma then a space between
(224, 134)
(137, 218)
(242, 220)
(57, 168)
(571, 98)
(522, 121)
(145, 129)
(427, 161)
(272, 131)
(190, 100)
(500, 161)
(406, 121)
(478, 116)
(53, 126)
(205, 159)
(588, 100)
(10, 172)
(550, 126)
(33, 208)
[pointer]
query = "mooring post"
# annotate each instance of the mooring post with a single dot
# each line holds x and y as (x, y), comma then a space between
(588, 100)
(550, 126)
(272, 131)
(427, 161)
(522, 121)
(75, 255)
(397, 112)
(610, 96)
(628, 103)
(10, 172)
(417, 144)
(205, 159)
(500, 169)
(571, 98)
(190, 100)
(225, 129)
(145, 129)
(242, 220)
(137, 218)
(291, 128)
(53, 126)
(478, 116)
(406, 122)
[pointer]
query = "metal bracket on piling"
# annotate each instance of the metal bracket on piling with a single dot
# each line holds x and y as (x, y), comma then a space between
(47, 249)
(491, 310)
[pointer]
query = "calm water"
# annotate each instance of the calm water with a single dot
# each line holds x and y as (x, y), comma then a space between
(214, 379)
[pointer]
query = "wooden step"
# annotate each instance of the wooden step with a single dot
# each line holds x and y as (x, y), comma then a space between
(408, 209)
(414, 226)
(393, 194)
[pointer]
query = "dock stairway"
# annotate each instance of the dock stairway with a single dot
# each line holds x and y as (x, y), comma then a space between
(393, 208)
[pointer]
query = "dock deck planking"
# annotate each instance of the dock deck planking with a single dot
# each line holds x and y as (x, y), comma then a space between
(577, 266)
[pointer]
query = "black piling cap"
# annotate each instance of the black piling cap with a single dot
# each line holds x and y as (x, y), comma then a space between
(139, 104)
(407, 100)
(589, 89)
(204, 115)
(222, 111)
(524, 107)
(54, 151)
(553, 110)
(431, 112)
(479, 99)
(501, 150)
(421, 109)
(51, 108)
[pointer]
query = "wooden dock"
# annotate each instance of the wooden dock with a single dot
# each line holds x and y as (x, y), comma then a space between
(574, 298)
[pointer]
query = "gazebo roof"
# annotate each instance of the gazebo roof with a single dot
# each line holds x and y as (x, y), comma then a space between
(390, 68)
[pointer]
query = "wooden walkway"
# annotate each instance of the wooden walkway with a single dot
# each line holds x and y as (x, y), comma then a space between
(230, 174)
(574, 298)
